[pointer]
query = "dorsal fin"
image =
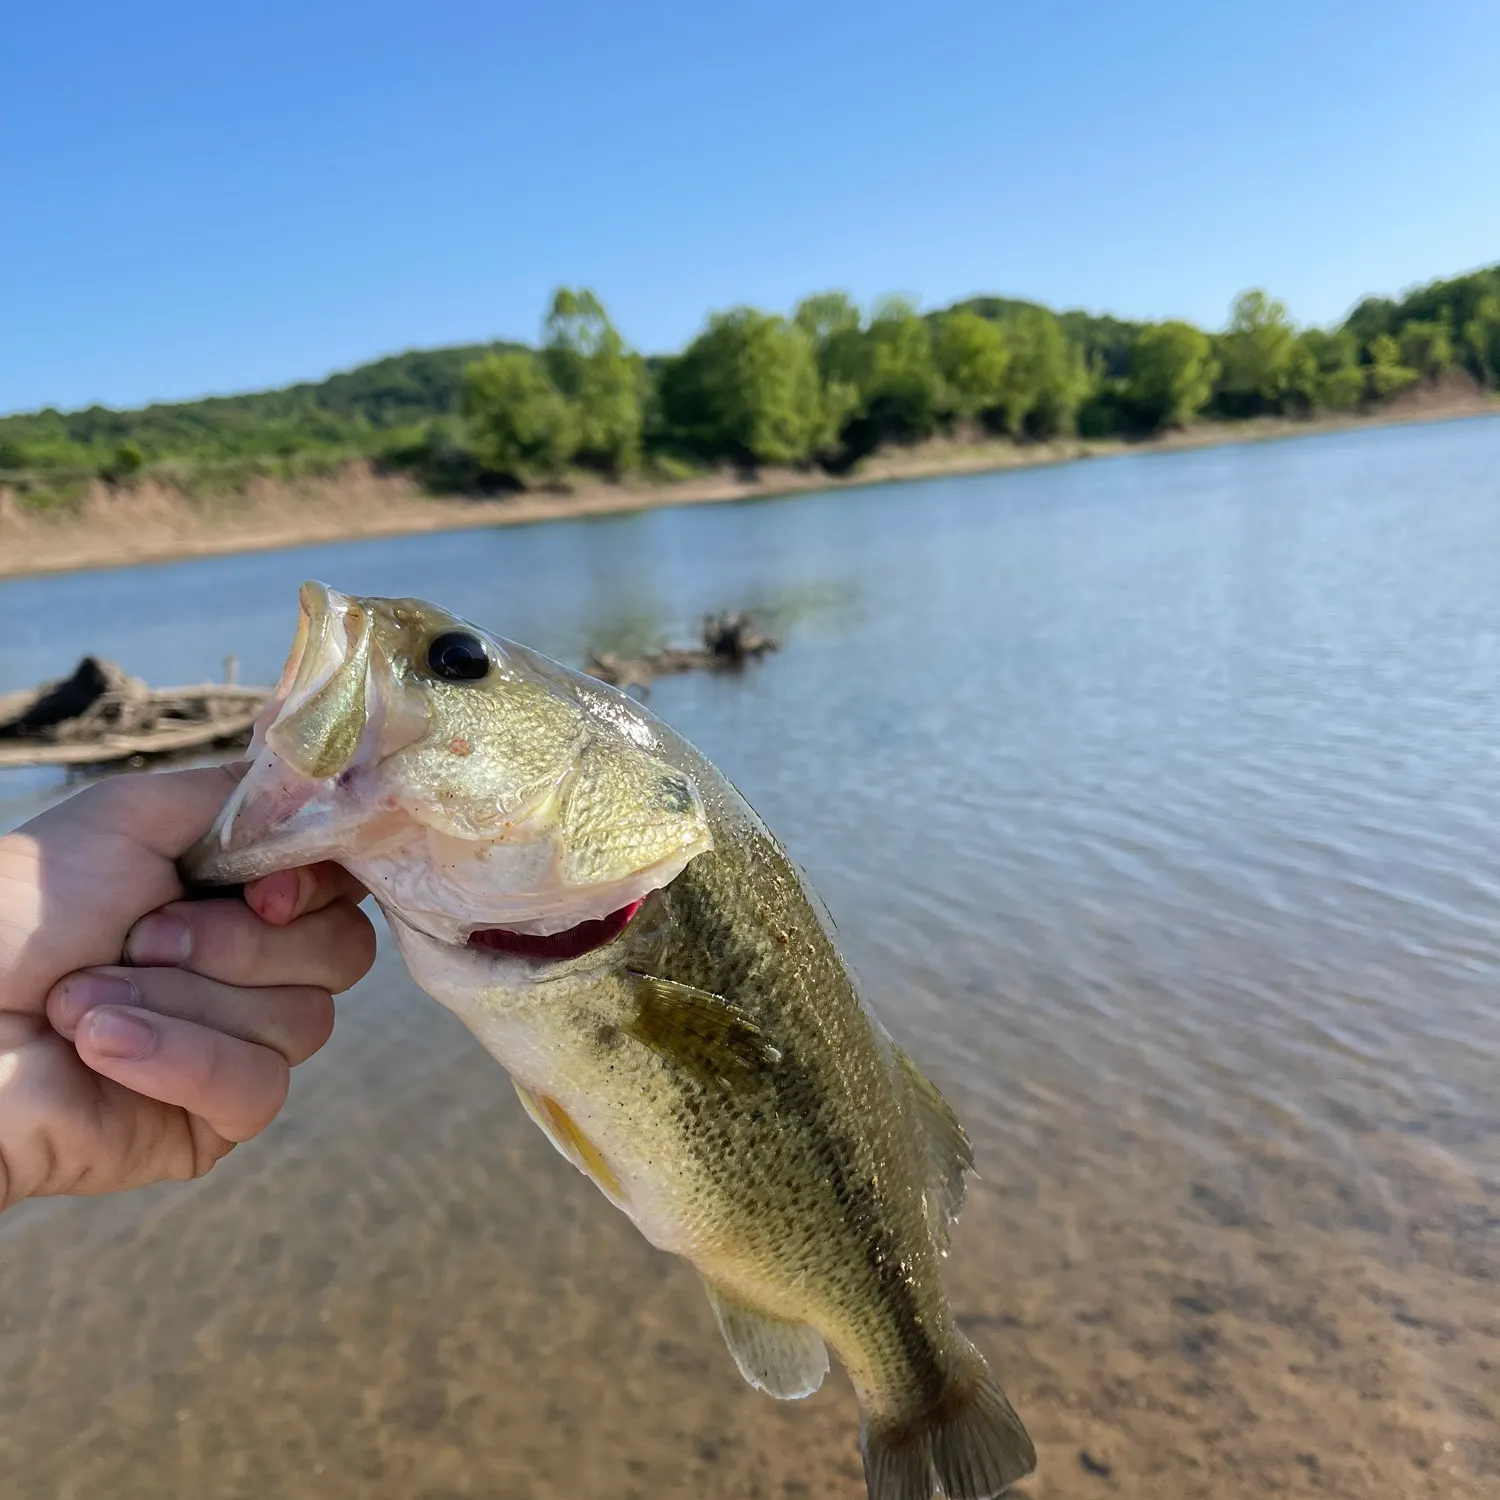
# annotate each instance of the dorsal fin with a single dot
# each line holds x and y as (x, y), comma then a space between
(949, 1155)
(785, 1360)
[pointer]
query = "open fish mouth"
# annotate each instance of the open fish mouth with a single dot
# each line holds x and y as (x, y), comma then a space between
(323, 723)
(484, 798)
(554, 947)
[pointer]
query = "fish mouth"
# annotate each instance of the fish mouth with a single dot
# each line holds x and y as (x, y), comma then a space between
(324, 723)
(326, 781)
(553, 947)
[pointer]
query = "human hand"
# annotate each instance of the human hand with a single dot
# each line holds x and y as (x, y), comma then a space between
(142, 1036)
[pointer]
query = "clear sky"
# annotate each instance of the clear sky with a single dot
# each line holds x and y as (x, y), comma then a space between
(200, 197)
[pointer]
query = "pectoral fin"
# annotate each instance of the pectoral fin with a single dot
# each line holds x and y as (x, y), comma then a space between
(949, 1155)
(705, 1034)
(785, 1360)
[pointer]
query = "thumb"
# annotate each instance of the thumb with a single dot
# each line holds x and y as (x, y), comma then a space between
(162, 812)
(74, 880)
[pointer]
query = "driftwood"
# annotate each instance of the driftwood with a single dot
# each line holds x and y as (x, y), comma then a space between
(100, 715)
(729, 640)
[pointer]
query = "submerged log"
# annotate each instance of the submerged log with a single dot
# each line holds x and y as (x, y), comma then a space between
(732, 638)
(729, 639)
(100, 715)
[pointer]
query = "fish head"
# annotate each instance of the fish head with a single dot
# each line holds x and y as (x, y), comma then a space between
(471, 783)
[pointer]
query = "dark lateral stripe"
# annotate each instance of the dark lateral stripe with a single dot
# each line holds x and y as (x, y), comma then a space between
(798, 1098)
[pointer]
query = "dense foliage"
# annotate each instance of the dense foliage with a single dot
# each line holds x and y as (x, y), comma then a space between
(825, 386)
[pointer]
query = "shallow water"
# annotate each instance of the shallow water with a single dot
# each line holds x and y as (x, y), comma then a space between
(1157, 802)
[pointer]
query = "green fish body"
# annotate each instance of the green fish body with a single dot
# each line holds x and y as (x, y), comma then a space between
(632, 944)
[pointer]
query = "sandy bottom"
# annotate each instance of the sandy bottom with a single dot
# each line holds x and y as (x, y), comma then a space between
(403, 1292)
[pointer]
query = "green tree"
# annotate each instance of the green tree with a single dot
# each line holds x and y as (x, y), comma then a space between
(971, 358)
(1046, 379)
(1256, 356)
(589, 363)
(1324, 371)
(1386, 374)
(833, 322)
(900, 390)
(748, 389)
(1427, 347)
(12, 455)
(519, 423)
(125, 463)
(1171, 375)
(836, 327)
(1482, 338)
(1372, 317)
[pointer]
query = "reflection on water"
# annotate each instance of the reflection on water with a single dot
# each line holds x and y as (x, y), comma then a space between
(1156, 800)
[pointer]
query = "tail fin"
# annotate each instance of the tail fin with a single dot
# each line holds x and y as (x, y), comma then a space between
(969, 1446)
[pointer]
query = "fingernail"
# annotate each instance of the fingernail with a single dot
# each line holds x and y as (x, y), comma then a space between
(118, 1033)
(162, 938)
(78, 994)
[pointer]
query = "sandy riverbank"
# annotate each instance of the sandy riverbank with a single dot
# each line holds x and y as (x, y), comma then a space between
(150, 522)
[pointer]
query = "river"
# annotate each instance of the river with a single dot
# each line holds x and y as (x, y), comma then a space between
(1158, 803)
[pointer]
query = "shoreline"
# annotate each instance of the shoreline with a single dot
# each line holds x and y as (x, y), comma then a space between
(151, 523)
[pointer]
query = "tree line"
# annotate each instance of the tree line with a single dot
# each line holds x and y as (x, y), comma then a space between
(825, 385)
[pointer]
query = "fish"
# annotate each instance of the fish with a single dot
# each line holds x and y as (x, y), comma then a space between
(620, 930)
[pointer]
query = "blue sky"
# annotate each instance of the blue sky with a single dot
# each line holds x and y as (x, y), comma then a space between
(205, 198)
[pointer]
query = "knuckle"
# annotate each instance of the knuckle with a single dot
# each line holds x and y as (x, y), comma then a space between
(305, 1023)
(362, 954)
(253, 1119)
(344, 943)
(277, 1085)
(319, 1020)
(250, 1079)
(359, 945)
(207, 1148)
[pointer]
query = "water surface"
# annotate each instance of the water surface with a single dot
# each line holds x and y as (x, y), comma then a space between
(1158, 803)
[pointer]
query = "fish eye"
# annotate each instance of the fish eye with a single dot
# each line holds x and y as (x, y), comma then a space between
(457, 656)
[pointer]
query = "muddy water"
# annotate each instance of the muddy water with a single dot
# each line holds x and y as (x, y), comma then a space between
(1158, 801)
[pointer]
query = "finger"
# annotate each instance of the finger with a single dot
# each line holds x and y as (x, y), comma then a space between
(225, 940)
(289, 894)
(235, 1087)
(106, 852)
(294, 1020)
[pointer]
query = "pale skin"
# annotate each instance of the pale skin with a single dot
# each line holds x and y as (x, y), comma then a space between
(142, 1036)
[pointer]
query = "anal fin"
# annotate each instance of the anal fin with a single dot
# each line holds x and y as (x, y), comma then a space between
(785, 1360)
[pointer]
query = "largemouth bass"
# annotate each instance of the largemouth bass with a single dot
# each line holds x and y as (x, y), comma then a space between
(619, 929)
